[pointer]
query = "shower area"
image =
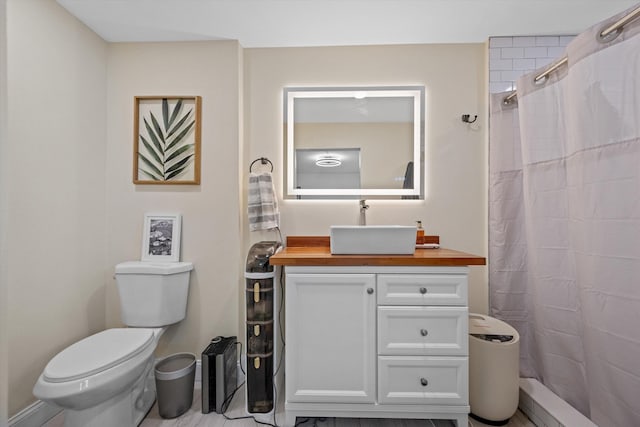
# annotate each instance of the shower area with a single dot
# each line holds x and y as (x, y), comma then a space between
(564, 220)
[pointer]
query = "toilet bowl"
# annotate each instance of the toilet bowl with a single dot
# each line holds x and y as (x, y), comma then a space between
(106, 379)
(98, 369)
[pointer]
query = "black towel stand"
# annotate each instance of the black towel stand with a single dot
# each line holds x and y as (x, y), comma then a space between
(263, 161)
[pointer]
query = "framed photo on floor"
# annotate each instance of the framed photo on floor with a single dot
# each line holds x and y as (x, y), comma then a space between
(161, 237)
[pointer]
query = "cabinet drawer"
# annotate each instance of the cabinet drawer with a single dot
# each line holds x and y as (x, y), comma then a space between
(423, 331)
(423, 380)
(422, 289)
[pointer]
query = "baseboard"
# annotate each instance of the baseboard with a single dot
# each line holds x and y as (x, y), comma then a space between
(34, 415)
(545, 408)
(239, 374)
(198, 379)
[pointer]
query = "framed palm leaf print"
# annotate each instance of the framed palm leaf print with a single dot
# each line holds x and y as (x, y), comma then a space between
(166, 148)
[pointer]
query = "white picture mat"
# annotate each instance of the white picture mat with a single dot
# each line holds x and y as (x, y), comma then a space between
(161, 237)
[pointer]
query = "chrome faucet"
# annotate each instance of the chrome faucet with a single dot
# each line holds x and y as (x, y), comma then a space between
(363, 212)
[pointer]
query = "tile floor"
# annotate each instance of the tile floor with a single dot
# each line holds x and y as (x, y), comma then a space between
(195, 418)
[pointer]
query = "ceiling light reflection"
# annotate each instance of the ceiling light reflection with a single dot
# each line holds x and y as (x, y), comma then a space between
(328, 162)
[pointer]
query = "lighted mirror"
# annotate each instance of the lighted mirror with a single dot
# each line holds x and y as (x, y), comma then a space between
(356, 142)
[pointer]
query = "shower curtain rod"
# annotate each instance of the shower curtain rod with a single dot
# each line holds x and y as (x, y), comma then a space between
(613, 28)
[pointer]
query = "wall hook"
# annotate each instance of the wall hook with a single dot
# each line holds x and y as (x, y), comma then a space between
(466, 118)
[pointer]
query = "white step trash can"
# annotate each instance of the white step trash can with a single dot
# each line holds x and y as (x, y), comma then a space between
(494, 369)
(175, 377)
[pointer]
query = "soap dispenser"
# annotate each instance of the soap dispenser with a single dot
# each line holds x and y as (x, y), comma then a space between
(419, 234)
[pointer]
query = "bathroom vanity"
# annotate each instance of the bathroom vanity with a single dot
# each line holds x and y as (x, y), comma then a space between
(375, 336)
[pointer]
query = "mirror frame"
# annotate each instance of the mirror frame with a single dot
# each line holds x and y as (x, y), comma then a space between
(415, 92)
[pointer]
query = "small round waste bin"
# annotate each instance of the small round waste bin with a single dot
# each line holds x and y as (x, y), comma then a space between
(494, 371)
(175, 377)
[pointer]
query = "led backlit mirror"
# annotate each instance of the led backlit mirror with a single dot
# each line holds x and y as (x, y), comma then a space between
(357, 142)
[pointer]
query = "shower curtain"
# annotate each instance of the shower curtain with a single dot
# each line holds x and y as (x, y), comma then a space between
(564, 224)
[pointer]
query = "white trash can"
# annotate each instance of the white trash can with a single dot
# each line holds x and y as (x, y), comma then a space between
(494, 369)
(175, 376)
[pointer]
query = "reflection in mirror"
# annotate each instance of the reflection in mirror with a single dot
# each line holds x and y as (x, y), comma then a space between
(354, 142)
(337, 168)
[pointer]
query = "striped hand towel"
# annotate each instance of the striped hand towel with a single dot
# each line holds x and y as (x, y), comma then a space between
(263, 203)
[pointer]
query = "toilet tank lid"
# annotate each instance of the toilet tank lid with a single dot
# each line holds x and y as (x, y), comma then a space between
(97, 353)
(148, 267)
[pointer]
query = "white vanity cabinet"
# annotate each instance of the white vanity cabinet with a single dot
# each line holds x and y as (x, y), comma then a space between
(376, 342)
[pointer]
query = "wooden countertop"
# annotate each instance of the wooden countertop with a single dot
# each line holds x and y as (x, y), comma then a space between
(315, 251)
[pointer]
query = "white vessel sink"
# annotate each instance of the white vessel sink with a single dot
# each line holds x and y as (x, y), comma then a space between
(372, 239)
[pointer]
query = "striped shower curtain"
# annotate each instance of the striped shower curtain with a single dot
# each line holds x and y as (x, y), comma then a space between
(564, 224)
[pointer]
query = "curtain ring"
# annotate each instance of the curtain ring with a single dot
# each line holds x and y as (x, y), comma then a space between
(609, 37)
(542, 80)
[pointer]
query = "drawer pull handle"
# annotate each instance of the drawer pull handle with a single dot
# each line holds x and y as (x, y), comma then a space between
(424, 382)
(423, 290)
(424, 332)
(370, 291)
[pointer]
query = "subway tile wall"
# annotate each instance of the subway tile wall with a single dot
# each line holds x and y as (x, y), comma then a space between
(511, 57)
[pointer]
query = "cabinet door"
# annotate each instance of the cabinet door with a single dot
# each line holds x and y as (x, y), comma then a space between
(330, 331)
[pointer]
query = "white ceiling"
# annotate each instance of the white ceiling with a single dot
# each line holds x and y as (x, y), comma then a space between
(287, 23)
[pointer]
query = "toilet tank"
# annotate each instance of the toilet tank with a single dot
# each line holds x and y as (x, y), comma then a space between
(153, 294)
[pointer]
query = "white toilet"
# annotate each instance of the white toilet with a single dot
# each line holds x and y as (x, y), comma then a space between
(106, 380)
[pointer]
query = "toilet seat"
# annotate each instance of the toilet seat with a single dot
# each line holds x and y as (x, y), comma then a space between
(97, 353)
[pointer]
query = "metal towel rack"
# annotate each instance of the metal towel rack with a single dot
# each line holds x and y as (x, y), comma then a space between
(263, 161)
